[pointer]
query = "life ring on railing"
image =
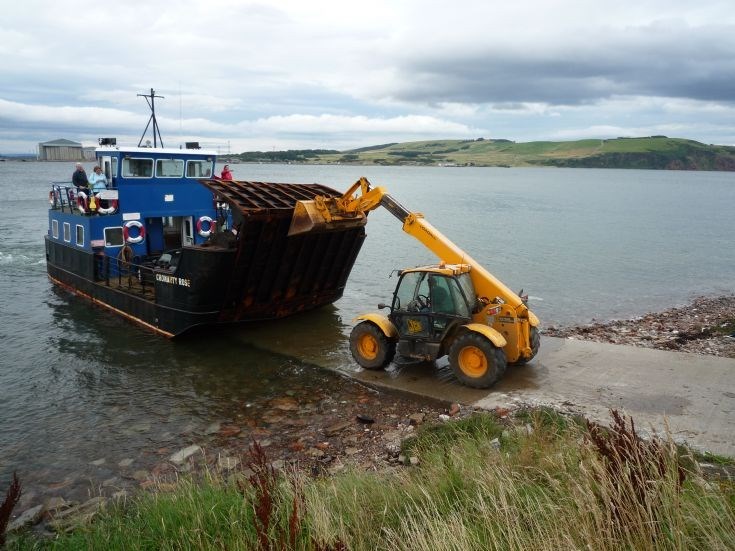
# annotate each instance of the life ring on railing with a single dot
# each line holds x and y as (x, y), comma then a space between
(126, 231)
(111, 208)
(203, 220)
(126, 254)
(82, 202)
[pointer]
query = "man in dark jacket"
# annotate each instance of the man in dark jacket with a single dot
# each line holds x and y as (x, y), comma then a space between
(79, 178)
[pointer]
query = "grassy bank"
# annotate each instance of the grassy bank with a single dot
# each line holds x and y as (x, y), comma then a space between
(544, 482)
(652, 152)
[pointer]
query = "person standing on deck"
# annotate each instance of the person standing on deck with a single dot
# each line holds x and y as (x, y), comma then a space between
(226, 174)
(97, 180)
(79, 178)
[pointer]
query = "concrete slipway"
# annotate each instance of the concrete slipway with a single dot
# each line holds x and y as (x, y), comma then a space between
(692, 393)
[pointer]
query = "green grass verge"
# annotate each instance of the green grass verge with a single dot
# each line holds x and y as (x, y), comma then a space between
(543, 482)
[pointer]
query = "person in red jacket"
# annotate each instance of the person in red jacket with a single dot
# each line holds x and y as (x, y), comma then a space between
(226, 174)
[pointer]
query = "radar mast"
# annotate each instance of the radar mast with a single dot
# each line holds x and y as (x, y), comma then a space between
(151, 101)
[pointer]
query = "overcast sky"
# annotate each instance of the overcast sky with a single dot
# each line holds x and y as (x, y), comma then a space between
(343, 74)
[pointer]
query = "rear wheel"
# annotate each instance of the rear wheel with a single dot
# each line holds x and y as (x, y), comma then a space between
(476, 361)
(370, 347)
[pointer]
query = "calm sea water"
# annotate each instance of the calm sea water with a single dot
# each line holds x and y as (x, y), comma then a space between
(77, 382)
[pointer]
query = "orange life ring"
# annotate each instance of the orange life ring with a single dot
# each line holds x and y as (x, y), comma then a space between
(203, 220)
(82, 202)
(126, 231)
(111, 208)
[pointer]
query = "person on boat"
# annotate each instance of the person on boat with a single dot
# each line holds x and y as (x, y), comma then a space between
(79, 178)
(97, 180)
(226, 174)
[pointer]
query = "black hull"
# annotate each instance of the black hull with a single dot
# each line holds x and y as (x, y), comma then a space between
(74, 270)
(267, 278)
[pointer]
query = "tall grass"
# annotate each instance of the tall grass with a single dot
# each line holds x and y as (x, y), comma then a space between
(552, 483)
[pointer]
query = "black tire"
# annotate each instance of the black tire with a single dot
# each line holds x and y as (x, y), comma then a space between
(535, 338)
(476, 361)
(370, 347)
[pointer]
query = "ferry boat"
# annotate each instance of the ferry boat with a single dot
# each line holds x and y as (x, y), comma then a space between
(171, 247)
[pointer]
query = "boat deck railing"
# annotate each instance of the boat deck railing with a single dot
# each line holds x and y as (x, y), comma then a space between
(67, 197)
(127, 276)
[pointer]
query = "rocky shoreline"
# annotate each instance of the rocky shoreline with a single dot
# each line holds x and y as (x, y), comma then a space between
(706, 326)
(333, 424)
(345, 424)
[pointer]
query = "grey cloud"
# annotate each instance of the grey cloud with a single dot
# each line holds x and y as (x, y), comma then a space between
(697, 64)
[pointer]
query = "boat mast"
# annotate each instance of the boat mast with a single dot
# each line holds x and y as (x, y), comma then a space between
(150, 100)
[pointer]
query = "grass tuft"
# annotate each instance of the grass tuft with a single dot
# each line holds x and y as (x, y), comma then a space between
(6, 507)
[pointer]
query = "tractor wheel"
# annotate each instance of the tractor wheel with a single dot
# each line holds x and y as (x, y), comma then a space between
(476, 361)
(370, 347)
(535, 338)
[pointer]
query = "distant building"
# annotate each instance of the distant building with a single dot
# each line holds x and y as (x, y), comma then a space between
(60, 150)
(89, 153)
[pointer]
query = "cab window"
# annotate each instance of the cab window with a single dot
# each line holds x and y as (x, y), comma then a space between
(446, 297)
(460, 301)
(406, 290)
(440, 295)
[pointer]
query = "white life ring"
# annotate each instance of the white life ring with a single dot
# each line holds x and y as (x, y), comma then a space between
(112, 207)
(202, 220)
(126, 231)
(82, 202)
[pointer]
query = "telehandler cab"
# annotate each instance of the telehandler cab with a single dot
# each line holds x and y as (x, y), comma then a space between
(454, 308)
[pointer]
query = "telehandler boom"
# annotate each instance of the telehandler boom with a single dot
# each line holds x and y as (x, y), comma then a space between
(456, 307)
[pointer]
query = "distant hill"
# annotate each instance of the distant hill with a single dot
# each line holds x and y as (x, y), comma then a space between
(292, 155)
(653, 152)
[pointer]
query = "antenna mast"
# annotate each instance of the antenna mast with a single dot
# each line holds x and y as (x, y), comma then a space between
(150, 100)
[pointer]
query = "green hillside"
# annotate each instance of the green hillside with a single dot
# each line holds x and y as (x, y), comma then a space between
(654, 152)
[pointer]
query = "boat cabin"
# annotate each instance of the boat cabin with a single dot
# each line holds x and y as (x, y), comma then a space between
(153, 202)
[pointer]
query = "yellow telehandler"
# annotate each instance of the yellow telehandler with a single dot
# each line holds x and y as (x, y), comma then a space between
(455, 307)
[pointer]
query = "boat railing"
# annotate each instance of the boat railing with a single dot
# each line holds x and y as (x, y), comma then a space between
(127, 275)
(65, 196)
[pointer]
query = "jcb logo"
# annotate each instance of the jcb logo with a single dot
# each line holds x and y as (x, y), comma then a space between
(414, 326)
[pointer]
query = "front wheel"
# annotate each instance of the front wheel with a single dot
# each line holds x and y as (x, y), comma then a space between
(370, 347)
(476, 361)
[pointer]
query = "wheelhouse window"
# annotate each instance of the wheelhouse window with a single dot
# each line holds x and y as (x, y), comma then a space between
(169, 168)
(80, 235)
(114, 237)
(55, 229)
(198, 169)
(133, 167)
(67, 232)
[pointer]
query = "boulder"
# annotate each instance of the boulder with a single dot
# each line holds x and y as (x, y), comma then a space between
(182, 455)
(29, 517)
